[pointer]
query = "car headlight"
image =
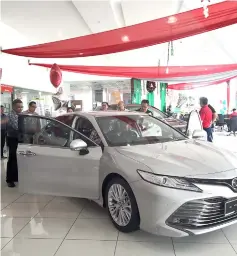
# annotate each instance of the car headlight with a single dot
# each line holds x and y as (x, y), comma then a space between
(168, 181)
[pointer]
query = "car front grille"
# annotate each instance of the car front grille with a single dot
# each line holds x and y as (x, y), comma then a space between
(202, 213)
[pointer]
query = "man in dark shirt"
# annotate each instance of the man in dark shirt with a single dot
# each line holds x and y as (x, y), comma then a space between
(144, 107)
(104, 106)
(12, 139)
(214, 114)
(3, 130)
(206, 117)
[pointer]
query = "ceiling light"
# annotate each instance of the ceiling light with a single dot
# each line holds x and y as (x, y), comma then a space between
(125, 39)
(172, 19)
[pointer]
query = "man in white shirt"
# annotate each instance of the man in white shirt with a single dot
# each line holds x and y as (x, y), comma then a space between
(32, 124)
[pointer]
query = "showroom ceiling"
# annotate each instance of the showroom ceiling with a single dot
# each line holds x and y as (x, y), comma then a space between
(124, 85)
(44, 21)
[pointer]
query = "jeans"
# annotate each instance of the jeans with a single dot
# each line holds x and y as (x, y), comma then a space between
(209, 134)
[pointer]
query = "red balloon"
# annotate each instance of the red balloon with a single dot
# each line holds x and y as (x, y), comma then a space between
(55, 75)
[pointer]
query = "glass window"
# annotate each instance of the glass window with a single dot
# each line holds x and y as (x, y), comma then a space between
(85, 127)
(156, 112)
(194, 123)
(136, 130)
(66, 119)
(47, 132)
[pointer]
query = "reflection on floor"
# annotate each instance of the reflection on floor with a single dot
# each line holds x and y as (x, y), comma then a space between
(56, 226)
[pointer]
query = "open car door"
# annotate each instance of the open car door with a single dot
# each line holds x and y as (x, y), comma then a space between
(194, 123)
(49, 164)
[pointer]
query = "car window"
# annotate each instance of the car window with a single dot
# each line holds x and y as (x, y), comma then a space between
(85, 127)
(48, 132)
(194, 123)
(132, 108)
(135, 130)
(156, 112)
(66, 119)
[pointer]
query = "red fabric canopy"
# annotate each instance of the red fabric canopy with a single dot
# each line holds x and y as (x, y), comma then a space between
(190, 86)
(181, 73)
(137, 36)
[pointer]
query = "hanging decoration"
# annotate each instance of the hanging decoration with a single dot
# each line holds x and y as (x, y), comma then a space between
(177, 74)
(137, 36)
(55, 75)
(171, 48)
(168, 59)
(150, 86)
(190, 86)
(223, 107)
(205, 8)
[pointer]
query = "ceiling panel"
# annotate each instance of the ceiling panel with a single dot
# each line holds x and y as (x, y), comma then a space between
(148, 56)
(137, 11)
(97, 14)
(44, 21)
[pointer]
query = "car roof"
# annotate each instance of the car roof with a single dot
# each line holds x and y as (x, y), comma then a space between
(131, 104)
(107, 113)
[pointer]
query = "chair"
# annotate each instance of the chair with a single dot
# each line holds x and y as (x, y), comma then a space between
(220, 122)
(233, 125)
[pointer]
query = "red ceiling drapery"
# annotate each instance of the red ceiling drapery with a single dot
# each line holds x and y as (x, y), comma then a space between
(190, 86)
(137, 36)
(180, 74)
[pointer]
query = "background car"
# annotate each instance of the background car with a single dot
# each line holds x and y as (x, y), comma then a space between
(176, 123)
(147, 174)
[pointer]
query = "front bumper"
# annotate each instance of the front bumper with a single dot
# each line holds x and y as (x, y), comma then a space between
(163, 211)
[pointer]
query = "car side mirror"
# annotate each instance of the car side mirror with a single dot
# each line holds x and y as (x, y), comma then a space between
(77, 145)
(200, 135)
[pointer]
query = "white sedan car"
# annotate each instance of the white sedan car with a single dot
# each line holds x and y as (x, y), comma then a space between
(147, 174)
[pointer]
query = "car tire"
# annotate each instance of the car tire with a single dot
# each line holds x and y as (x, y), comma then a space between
(127, 205)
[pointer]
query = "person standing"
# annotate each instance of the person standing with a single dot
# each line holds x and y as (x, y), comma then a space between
(206, 117)
(12, 139)
(3, 131)
(144, 107)
(104, 106)
(31, 108)
(121, 106)
(70, 110)
(234, 113)
(32, 124)
(214, 116)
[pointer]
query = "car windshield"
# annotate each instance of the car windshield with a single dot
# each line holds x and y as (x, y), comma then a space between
(156, 112)
(127, 130)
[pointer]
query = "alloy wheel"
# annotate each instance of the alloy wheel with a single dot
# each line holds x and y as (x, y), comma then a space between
(119, 205)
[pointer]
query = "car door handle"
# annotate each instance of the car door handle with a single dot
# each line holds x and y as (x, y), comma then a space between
(26, 153)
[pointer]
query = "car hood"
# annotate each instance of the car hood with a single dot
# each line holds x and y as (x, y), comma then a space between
(184, 158)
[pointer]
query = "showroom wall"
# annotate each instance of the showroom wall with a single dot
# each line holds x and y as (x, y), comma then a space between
(81, 93)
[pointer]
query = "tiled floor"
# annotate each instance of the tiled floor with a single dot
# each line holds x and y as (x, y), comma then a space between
(56, 226)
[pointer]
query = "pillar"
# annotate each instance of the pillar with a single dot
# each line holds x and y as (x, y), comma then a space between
(163, 87)
(150, 97)
(136, 91)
